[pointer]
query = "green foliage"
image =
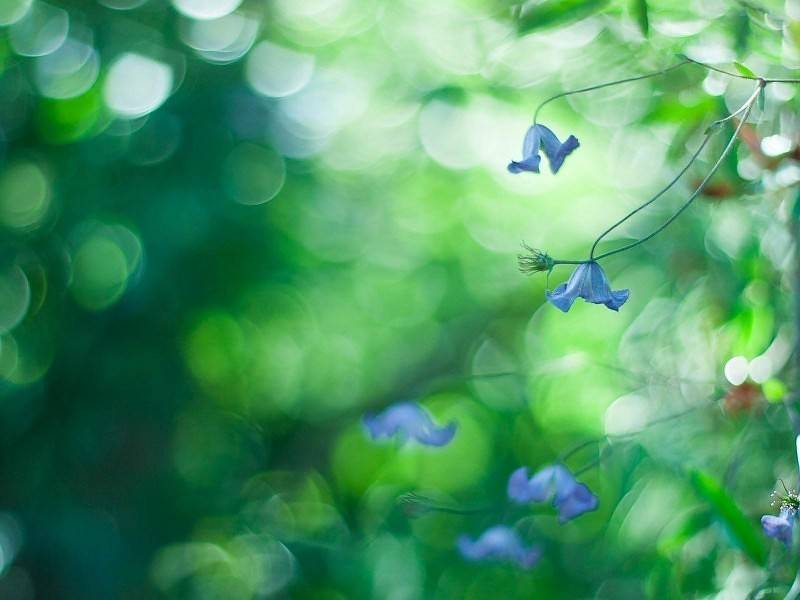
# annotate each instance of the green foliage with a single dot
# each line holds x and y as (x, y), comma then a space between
(229, 230)
(536, 15)
(746, 534)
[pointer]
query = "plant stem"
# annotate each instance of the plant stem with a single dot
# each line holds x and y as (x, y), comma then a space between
(663, 191)
(591, 88)
(709, 175)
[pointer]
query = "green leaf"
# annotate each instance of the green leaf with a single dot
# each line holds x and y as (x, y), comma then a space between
(639, 12)
(744, 70)
(548, 13)
(746, 534)
(674, 538)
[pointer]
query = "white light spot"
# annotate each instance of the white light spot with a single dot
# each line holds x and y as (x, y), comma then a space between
(775, 145)
(627, 415)
(206, 9)
(276, 71)
(444, 130)
(736, 370)
(222, 40)
(760, 369)
(714, 85)
(137, 85)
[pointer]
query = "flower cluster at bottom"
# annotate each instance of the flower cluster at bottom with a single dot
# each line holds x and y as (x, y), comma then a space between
(409, 421)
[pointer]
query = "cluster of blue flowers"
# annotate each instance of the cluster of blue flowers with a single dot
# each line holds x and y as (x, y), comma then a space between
(409, 421)
(588, 281)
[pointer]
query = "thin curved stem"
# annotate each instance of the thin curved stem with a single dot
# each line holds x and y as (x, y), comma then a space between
(718, 70)
(741, 75)
(710, 130)
(591, 88)
(663, 191)
(701, 186)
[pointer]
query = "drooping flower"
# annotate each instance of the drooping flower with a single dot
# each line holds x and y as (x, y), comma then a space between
(570, 497)
(589, 282)
(780, 527)
(538, 136)
(408, 420)
(498, 544)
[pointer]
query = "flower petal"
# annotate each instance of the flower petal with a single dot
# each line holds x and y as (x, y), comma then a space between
(499, 543)
(564, 295)
(530, 164)
(530, 153)
(779, 527)
(539, 488)
(408, 420)
(579, 500)
(555, 151)
(618, 298)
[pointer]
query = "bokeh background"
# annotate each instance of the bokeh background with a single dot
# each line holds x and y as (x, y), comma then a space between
(229, 228)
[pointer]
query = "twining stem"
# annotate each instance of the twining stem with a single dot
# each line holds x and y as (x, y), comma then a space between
(591, 88)
(740, 75)
(710, 130)
(748, 106)
(663, 191)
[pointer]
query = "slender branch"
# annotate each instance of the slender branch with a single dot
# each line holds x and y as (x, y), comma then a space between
(591, 88)
(741, 75)
(663, 191)
(718, 70)
(710, 130)
(709, 175)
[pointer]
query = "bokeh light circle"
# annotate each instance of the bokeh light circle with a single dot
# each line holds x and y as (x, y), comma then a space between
(24, 196)
(15, 297)
(206, 9)
(137, 85)
(276, 71)
(736, 370)
(12, 11)
(253, 174)
(41, 31)
(67, 72)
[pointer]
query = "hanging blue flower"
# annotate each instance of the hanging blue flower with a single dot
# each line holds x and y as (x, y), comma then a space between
(408, 420)
(589, 282)
(539, 136)
(570, 497)
(779, 527)
(498, 544)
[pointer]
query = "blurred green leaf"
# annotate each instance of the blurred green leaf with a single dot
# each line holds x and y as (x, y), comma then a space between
(741, 31)
(639, 12)
(676, 537)
(746, 534)
(743, 70)
(539, 15)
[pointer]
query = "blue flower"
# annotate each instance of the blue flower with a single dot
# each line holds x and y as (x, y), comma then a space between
(555, 151)
(539, 136)
(779, 527)
(408, 420)
(499, 543)
(589, 282)
(570, 497)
